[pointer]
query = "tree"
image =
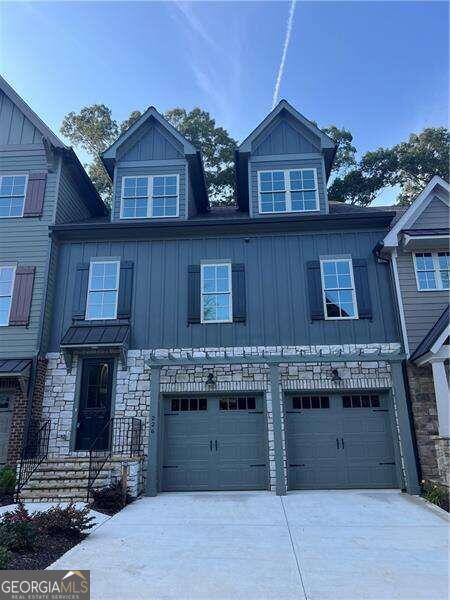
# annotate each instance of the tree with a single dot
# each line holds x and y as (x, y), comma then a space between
(217, 148)
(134, 116)
(410, 164)
(346, 151)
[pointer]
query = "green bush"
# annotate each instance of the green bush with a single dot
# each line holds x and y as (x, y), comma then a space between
(110, 498)
(18, 536)
(5, 557)
(436, 493)
(19, 515)
(69, 520)
(7, 481)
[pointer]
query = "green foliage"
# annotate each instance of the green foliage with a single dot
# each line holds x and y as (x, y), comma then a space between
(134, 116)
(7, 481)
(110, 498)
(93, 128)
(69, 520)
(5, 557)
(410, 165)
(346, 151)
(436, 493)
(18, 536)
(217, 148)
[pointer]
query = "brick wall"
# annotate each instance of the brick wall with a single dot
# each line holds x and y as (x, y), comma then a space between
(18, 420)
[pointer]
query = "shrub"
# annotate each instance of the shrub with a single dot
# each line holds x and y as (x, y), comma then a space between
(436, 493)
(110, 498)
(19, 515)
(69, 520)
(7, 481)
(18, 536)
(5, 557)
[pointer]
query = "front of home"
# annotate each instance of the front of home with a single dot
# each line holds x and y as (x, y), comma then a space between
(417, 248)
(41, 183)
(255, 347)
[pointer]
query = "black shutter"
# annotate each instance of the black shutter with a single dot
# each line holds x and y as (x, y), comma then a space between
(80, 291)
(193, 310)
(239, 294)
(362, 288)
(315, 290)
(125, 290)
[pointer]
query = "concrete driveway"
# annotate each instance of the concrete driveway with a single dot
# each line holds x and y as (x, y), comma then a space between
(349, 545)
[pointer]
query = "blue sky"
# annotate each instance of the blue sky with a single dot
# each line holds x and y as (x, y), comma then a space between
(378, 68)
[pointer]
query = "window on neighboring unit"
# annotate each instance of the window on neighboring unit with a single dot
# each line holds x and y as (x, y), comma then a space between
(6, 291)
(12, 195)
(292, 190)
(432, 270)
(154, 196)
(216, 293)
(338, 289)
(103, 290)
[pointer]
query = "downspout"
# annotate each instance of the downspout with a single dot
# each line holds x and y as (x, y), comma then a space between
(411, 420)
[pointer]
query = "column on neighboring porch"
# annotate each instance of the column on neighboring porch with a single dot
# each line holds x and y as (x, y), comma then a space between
(441, 389)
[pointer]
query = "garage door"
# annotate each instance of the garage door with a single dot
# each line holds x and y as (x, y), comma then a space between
(6, 400)
(213, 443)
(339, 442)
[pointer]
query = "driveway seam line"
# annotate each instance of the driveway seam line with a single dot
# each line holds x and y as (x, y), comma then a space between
(293, 550)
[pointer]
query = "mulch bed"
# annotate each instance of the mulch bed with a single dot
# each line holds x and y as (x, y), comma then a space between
(48, 549)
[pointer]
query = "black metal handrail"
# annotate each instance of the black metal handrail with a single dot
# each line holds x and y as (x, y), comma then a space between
(33, 453)
(123, 436)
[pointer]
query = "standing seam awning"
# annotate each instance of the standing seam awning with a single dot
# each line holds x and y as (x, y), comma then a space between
(18, 368)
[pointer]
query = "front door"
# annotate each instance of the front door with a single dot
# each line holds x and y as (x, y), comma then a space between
(95, 404)
(6, 402)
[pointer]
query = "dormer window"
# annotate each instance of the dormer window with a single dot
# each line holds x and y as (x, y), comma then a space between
(287, 191)
(147, 197)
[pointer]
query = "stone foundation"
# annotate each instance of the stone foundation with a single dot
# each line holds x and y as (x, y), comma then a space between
(132, 390)
(425, 420)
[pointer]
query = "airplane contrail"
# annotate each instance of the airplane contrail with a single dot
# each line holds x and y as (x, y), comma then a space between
(287, 38)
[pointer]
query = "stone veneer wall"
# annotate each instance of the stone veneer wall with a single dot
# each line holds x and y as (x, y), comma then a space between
(132, 390)
(424, 410)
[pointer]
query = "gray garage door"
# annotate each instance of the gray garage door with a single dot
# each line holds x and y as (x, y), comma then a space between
(339, 442)
(213, 443)
(6, 400)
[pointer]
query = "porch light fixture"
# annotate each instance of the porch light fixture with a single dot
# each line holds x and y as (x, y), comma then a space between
(335, 375)
(210, 381)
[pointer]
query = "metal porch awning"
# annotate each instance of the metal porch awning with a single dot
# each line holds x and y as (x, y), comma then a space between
(87, 336)
(16, 368)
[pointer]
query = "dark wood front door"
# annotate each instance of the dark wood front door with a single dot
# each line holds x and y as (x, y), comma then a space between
(95, 404)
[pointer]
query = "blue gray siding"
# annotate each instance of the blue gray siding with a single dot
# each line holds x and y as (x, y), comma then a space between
(285, 136)
(277, 301)
(25, 241)
(422, 309)
(71, 208)
(15, 128)
(170, 168)
(435, 216)
(285, 163)
(150, 143)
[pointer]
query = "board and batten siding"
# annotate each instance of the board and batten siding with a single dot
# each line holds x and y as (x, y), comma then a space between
(276, 290)
(285, 136)
(150, 143)
(177, 167)
(71, 207)
(285, 163)
(421, 308)
(15, 128)
(25, 241)
(436, 216)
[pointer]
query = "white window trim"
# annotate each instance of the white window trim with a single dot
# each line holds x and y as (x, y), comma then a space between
(150, 178)
(24, 193)
(230, 293)
(353, 290)
(437, 272)
(13, 267)
(102, 262)
(287, 191)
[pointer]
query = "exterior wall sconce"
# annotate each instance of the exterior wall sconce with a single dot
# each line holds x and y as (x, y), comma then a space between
(335, 375)
(210, 381)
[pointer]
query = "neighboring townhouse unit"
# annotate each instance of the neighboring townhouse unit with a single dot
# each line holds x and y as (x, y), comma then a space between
(418, 249)
(41, 183)
(254, 347)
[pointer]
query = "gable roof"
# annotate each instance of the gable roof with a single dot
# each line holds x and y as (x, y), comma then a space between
(413, 212)
(31, 115)
(439, 330)
(283, 105)
(89, 193)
